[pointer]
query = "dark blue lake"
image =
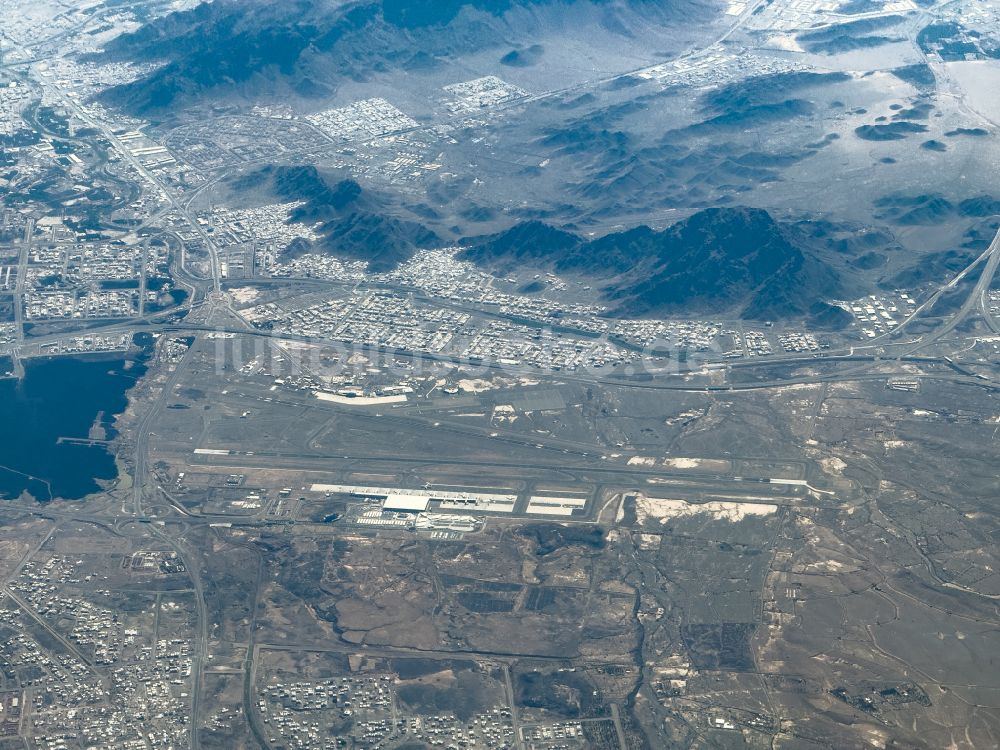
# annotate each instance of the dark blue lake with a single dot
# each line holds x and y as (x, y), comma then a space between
(56, 421)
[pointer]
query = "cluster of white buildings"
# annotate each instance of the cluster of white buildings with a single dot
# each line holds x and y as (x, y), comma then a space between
(8, 334)
(300, 713)
(798, 341)
(311, 265)
(13, 99)
(133, 693)
(716, 67)
(59, 305)
(482, 93)
(380, 319)
(563, 735)
(697, 335)
(87, 343)
(506, 343)
(878, 314)
(757, 344)
(368, 118)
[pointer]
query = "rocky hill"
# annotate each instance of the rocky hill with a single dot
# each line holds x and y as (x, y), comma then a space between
(354, 223)
(719, 260)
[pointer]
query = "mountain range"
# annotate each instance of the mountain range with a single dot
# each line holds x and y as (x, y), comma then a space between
(305, 48)
(734, 260)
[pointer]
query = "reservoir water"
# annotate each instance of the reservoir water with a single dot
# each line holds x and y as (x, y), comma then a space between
(56, 421)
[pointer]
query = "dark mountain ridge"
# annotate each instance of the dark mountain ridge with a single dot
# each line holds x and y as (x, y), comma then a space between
(735, 260)
(354, 223)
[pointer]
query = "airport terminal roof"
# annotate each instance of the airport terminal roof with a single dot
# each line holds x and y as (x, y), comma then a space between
(406, 502)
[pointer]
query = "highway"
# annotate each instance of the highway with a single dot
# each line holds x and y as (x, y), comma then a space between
(976, 299)
(164, 191)
(977, 296)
